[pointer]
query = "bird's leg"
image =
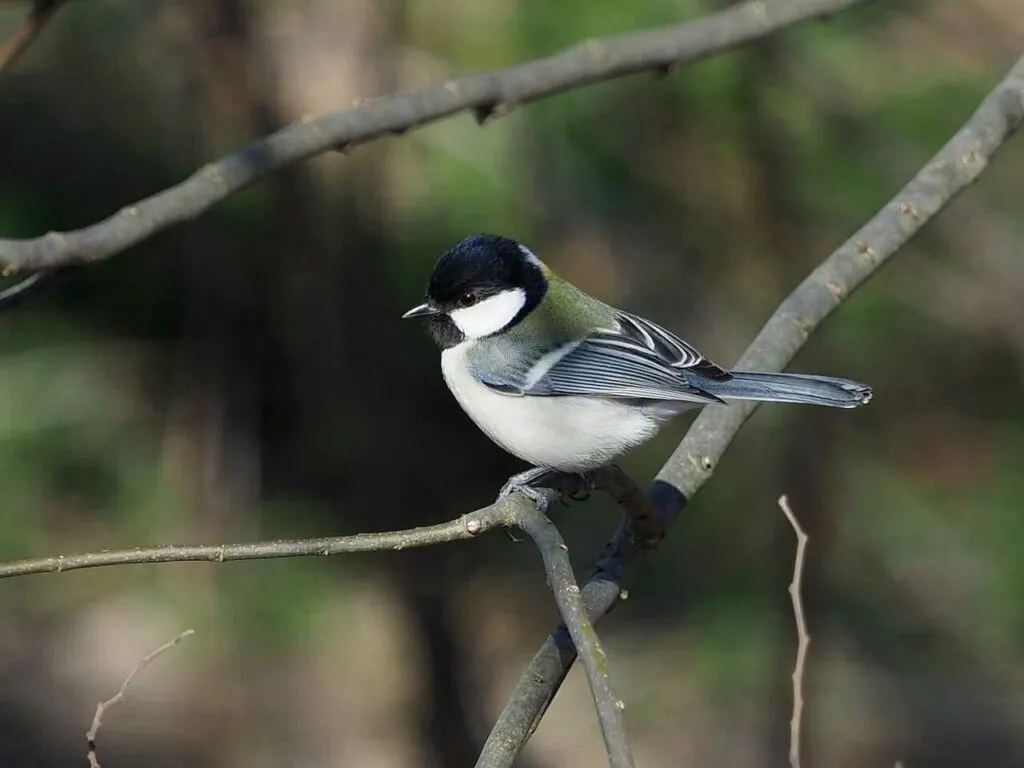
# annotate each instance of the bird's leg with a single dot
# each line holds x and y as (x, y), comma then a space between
(525, 483)
(576, 486)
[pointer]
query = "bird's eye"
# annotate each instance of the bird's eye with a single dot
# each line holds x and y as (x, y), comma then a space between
(466, 300)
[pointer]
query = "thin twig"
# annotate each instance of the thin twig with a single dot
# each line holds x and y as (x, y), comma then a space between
(803, 639)
(103, 706)
(958, 164)
(15, 294)
(488, 95)
(40, 12)
(465, 527)
(535, 524)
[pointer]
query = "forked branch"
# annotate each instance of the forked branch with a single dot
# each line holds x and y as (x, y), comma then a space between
(958, 164)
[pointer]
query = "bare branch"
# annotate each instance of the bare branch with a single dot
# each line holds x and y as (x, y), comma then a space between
(953, 168)
(465, 527)
(487, 94)
(803, 639)
(103, 706)
(563, 584)
(40, 12)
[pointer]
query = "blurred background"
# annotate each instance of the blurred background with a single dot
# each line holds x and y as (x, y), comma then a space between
(246, 375)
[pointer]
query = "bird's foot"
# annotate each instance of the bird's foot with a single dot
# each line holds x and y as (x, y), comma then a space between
(526, 484)
(575, 486)
(536, 484)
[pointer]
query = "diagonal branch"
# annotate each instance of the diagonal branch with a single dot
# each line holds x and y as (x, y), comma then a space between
(954, 167)
(489, 94)
(535, 524)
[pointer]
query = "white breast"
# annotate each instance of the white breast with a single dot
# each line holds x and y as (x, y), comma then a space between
(571, 434)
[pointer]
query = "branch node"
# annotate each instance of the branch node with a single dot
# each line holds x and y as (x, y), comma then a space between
(973, 160)
(865, 250)
(668, 70)
(906, 209)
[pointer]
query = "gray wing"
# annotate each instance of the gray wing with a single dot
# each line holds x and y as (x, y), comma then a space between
(638, 360)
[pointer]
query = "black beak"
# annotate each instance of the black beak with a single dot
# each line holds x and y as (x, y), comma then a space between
(426, 309)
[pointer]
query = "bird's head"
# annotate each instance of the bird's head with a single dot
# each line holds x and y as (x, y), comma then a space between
(482, 285)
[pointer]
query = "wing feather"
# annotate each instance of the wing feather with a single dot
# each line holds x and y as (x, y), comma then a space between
(637, 360)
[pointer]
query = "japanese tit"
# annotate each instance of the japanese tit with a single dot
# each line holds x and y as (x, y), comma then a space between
(565, 382)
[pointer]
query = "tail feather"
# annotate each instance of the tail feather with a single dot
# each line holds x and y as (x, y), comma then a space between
(802, 388)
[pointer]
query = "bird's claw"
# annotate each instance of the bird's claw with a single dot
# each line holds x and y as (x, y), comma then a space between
(523, 483)
(531, 484)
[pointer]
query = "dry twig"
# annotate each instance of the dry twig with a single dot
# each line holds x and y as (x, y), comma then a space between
(103, 706)
(465, 527)
(803, 639)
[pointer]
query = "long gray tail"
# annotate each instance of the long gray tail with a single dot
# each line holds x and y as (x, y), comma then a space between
(789, 388)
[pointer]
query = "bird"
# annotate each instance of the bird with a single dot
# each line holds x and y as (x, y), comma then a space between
(565, 382)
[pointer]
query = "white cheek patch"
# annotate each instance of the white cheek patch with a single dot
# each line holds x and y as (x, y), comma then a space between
(490, 315)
